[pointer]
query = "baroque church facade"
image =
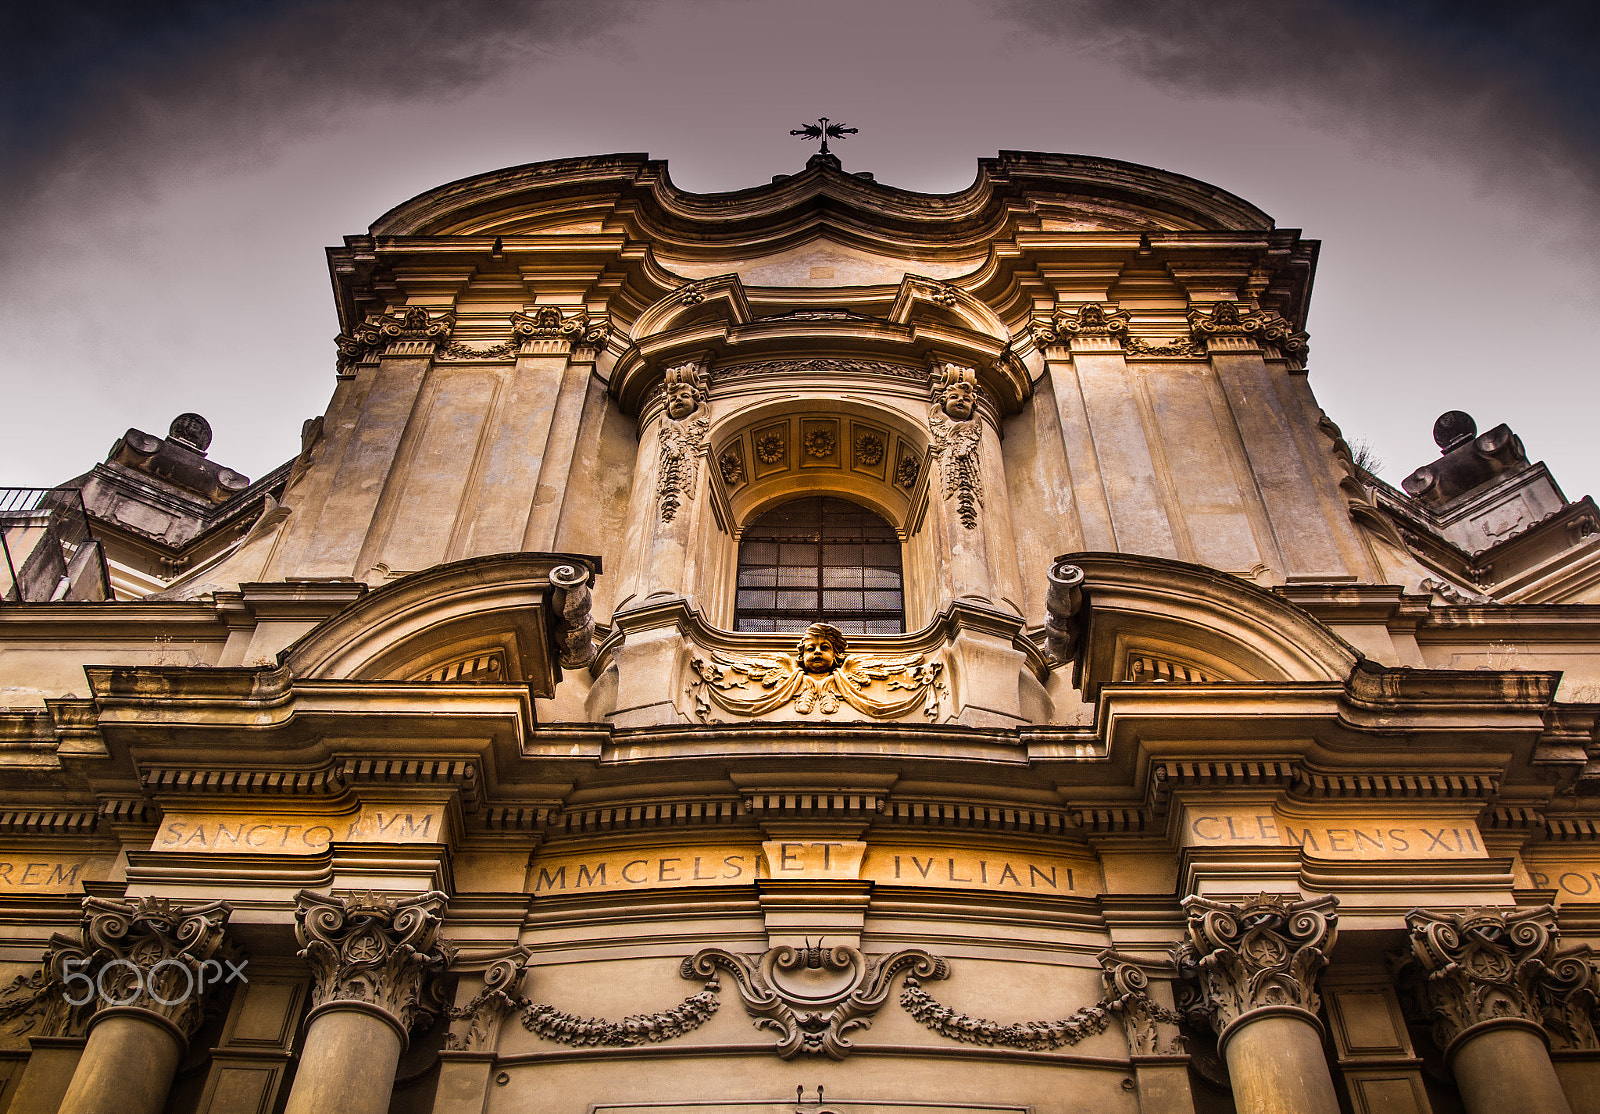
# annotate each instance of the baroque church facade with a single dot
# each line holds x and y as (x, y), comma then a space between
(818, 648)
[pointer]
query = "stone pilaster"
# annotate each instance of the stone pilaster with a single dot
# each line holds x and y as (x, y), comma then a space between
(1256, 964)
(147, 964)
(1485, 981)
(372, 959)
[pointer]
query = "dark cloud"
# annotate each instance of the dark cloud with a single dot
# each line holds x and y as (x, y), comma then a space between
(99, 84)
(1506, 92)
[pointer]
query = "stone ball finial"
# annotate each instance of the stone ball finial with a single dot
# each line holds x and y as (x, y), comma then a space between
(191, 430)
(1453, 429)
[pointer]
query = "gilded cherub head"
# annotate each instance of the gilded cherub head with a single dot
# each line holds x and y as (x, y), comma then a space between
(821, 648)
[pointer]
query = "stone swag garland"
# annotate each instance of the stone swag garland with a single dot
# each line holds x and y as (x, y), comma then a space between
(1125, 998)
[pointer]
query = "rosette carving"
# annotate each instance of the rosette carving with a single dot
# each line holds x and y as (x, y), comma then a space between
(1484, 965)
(1264, 953)
(378, 952)
(813, 997)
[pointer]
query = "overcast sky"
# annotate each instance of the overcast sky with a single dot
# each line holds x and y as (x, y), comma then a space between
(170, 173)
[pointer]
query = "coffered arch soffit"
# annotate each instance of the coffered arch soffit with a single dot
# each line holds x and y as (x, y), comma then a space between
(485, 618)
(768, 454)
(1152, 619)
(712, 321)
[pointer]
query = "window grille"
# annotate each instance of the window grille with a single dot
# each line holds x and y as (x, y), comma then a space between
(820, 560)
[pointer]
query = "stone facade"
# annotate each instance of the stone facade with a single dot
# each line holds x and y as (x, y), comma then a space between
(433, 771)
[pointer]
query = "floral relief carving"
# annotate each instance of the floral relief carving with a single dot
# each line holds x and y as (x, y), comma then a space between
(475, 1025)
(683, 437)
(455, 350)
(1128, 996)
(402, 323)
(379, 951)
(813, 997)
(821, 675)
(731, 467)
(907, 472)
(1481, 965)
(1264, 952)
(869, 448)
(1226, 319)
(820, 443)
(956, 435)
(1035, 1036)
(646, 1028)
(769, 448)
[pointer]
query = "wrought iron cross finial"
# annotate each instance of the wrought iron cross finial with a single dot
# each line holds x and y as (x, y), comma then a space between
(824, 131)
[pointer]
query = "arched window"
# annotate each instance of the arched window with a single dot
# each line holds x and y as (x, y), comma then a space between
(820, 560)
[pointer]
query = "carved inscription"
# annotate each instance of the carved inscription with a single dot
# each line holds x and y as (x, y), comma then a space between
(50, 874)
(295, 834)
(965, 869)
(644, 869)
(910, 865)
(1355, 837)
(1575, 881)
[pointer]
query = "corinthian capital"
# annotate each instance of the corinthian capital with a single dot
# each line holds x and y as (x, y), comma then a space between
(371, 952)
(148, 954)
(1264, 953)
(1486, 965)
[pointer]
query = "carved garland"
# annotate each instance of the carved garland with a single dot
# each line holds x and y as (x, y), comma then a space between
(646, 1028)
(684, 433)
(1035, 1036)
(953, 423)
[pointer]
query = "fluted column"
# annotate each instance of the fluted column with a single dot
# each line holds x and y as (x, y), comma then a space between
(372, 959)
(148, 964)
(1484, 980)
(1256, 964)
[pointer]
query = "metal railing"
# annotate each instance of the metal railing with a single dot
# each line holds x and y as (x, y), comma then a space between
(43, 534)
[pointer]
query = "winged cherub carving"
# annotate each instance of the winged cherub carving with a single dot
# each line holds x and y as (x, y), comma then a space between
(819, 675)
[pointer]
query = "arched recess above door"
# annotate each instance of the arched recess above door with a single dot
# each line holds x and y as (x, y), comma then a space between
(873, 456)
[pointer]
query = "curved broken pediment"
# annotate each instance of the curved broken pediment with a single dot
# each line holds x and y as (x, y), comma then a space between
(1151, 620)
(483, 620)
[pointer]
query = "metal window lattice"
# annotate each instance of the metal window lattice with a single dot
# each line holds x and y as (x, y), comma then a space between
(820, 560)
